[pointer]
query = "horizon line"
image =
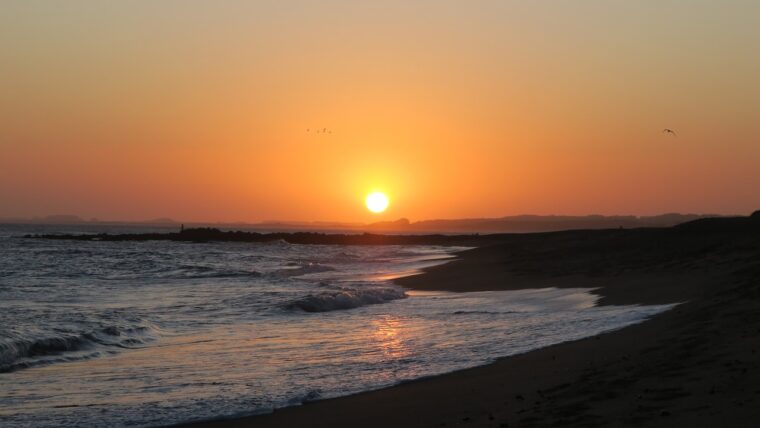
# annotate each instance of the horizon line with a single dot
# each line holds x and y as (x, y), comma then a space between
(77, 219)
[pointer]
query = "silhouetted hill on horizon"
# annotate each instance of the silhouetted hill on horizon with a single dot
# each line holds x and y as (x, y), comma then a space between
(509, 224)
(679, 234)
(533, 223)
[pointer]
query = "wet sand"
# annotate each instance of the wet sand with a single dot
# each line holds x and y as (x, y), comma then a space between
(697, 365)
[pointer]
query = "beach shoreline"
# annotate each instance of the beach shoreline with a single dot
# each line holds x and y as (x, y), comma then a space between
(694, 365)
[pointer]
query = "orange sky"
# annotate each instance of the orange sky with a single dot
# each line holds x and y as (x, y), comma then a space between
(198, 110)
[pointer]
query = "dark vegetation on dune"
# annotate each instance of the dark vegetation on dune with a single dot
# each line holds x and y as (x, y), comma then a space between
(614, 251)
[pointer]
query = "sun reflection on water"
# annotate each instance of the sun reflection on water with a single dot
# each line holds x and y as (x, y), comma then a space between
(389, 336)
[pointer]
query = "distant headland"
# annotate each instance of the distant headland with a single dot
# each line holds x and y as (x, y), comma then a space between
(508, 224)
(210, 234)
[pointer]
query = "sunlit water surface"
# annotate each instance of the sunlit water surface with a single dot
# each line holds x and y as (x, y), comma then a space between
(153, 333)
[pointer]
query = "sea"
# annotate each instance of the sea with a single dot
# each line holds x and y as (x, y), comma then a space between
(145, 334)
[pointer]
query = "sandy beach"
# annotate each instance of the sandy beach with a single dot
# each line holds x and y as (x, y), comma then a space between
(695, 365)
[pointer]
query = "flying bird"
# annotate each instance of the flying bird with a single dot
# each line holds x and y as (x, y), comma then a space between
(320, 130)
(669, 131)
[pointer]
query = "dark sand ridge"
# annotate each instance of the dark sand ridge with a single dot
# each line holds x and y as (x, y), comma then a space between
(697, 365)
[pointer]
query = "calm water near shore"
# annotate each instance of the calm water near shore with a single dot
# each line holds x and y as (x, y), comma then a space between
(153, 333)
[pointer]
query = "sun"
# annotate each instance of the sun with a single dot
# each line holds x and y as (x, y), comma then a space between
(376, 202)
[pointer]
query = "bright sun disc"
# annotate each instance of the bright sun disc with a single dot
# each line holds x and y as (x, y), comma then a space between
(376, 202)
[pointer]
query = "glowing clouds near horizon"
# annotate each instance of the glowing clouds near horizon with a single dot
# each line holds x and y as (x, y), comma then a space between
(376, 202)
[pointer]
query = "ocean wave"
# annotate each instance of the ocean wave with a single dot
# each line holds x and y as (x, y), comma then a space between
(484, 312)
(191, 271)
(17, 352)
(278, 243)
(302, 269)
(347, 298)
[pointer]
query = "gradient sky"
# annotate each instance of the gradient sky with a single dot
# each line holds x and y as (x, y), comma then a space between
(198, 110)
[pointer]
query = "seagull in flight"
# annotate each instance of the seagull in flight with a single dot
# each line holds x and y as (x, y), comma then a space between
(320, 130)
(669, 131)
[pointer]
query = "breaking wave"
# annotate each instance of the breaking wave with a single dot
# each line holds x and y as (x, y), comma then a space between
(190, 271)
(299, 269)
(18, 352)
(347, 298)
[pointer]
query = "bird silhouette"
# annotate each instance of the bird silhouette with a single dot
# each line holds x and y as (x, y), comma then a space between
(669, 131)
(320, 130)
